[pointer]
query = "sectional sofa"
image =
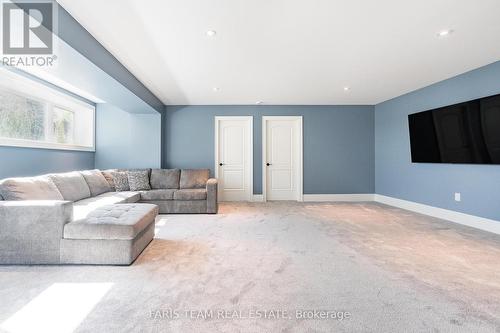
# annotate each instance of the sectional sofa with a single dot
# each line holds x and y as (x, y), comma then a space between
(88, 217)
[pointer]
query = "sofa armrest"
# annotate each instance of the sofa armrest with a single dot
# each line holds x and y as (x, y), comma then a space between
(30, 230)
(212, 205)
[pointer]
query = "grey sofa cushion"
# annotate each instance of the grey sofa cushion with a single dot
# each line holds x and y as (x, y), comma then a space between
(82, 208)
(109, 178)
(165, 178)
(194, 178)
(166, 194)
(123, 221)
(96, 182)
(120, 179)
(191, 194)
(29, 188)
(138, 180)
(72, 185)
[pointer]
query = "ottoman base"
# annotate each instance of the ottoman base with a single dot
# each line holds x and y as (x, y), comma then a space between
(105, 251)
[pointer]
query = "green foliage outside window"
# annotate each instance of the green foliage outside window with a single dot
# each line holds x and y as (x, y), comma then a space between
(63, 121)
(21, 117)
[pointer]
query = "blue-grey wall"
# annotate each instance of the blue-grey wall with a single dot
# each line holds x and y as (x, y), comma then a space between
(19, 162)
(127, 140)
(338, 143)
(435, 184)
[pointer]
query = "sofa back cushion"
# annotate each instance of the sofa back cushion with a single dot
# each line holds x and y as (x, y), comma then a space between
(96, 182)
(194, 178)
(29, 188)
(165, 178)
(72, 185)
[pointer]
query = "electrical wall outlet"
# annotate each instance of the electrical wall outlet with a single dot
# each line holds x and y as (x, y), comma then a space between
(458, 197)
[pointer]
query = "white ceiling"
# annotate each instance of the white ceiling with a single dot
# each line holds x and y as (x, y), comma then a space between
(292, 51)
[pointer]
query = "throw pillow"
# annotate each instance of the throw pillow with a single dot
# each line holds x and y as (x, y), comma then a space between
(120, 179)
(138, 180)
(109, 178)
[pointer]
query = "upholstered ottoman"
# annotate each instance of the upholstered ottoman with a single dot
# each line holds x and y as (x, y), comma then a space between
(110, 235)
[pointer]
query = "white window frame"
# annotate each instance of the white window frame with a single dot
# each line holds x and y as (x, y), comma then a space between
(24, 143)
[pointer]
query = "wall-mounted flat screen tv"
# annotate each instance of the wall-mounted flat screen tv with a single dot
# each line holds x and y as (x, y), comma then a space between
(468, 132)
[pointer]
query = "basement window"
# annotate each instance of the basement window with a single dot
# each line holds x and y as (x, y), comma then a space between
(36, 115)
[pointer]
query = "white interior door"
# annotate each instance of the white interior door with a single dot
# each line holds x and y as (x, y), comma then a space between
(282, 157)
(234, 158)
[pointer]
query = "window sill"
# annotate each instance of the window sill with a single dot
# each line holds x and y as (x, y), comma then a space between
(43, 145)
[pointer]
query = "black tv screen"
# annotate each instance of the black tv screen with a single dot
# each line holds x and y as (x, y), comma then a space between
(468, 132)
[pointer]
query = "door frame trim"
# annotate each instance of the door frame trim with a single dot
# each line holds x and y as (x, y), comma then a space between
(299, 151)
(249, 153)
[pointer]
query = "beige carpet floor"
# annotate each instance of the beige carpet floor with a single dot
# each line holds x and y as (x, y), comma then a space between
(255, 267)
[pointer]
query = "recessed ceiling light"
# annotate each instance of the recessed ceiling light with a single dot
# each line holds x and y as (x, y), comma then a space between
(215, 89)
(259, 102)
(347, 88)
(211, 33)
(444, 33)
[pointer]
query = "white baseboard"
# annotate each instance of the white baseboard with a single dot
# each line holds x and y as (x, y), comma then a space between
(338, 197)
(445, 214)
(258, 198)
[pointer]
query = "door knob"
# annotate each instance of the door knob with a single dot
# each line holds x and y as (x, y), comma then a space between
(221, 164)
(268, 164)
